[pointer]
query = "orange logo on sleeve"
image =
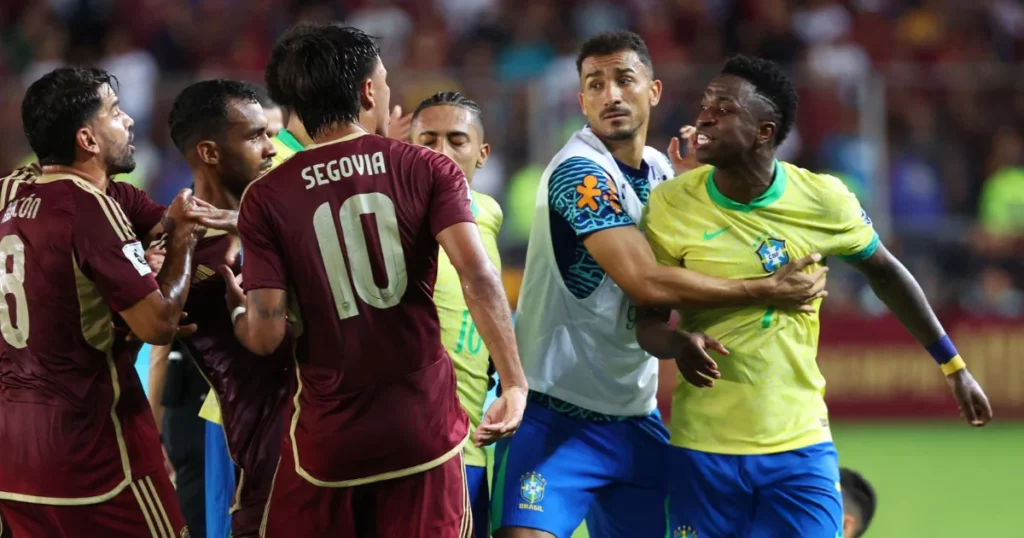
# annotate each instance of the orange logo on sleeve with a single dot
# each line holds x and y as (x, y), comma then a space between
(589, 194)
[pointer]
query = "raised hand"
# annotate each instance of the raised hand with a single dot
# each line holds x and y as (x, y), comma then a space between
(683, 163)
(205, 214)
(401, 126)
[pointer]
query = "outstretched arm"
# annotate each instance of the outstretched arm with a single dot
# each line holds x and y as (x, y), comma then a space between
(898, 289)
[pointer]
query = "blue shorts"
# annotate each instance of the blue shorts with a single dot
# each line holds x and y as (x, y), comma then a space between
(479, 499)
(782, 495)
(558, 471)
(220, 482)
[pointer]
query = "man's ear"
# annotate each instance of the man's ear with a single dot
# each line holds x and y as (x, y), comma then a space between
(87, 141)
(208, 152)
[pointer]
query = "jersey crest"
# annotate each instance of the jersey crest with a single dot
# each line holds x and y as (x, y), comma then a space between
(773, 254)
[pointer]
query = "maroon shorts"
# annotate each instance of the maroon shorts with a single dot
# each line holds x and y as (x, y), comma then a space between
(431, 504)
(147, 508)
(246, 520)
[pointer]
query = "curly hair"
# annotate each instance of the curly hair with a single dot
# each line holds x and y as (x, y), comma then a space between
(770, 82)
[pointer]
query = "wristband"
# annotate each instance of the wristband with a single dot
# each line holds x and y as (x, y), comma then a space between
(238, 311)
(945, 354)
(953, 366)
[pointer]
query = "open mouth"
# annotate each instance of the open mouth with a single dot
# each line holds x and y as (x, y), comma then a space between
(703, 140)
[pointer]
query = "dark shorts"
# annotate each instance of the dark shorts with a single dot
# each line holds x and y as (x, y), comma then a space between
(431, 504)
(147, 508)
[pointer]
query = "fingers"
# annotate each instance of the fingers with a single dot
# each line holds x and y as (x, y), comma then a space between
(711, 343)
(396, 113)
(696, 379)
(689, 132)
(982, 410)
(673, 149)
(805, 261)
(199, 202)
(229, 276)
(187, 330)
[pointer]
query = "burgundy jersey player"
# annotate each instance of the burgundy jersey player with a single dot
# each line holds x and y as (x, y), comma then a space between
(347, 233)
(221, 130)
(81, 453)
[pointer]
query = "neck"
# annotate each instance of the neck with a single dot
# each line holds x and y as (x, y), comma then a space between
(208, 189)
(747, 179)
(89, 170)
(339, 131)
(298, 130)
(631, 151)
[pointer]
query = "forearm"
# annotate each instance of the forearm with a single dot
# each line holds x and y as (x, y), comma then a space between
(488, 305)
(174, 276)
(157, 378)
(896, 287)
(655, 336)
(676, 287)
(260, 323)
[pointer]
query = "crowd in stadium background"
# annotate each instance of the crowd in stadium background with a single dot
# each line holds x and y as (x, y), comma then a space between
(910, 102)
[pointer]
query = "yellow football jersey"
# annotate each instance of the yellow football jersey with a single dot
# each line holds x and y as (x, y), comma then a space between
(771, 394)
(286, 146)
(458, 332)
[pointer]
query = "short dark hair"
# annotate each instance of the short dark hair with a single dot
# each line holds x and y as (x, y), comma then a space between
(451, 99)
(772, 83)
(611, 42)
(317, 71)
(56, 106)
(200, 111)
(859, 495)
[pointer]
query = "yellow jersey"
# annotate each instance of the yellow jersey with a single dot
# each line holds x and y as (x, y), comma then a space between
(286, 145)
(458, 332)
(770, 397)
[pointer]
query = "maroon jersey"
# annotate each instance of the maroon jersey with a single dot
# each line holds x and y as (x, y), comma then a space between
(250, 389)
(75, 425)
(142, 212)
(348, 229)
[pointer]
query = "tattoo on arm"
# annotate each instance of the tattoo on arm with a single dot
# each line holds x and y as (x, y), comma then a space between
(272, 312)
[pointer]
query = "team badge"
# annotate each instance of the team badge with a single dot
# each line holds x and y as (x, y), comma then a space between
(684, 532)
(531, 487)
(773, 254)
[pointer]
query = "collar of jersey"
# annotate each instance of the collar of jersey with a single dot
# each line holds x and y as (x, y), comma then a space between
(767, 198)
(289, 140)
(342, 139)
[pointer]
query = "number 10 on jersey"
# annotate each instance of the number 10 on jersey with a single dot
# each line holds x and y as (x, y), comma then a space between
(353, 238)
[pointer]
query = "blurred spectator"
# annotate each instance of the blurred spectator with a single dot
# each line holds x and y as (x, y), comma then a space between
(389, 22)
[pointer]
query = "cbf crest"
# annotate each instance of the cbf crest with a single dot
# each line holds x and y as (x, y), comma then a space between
(773, 254)
(684, 532)
(531, 490)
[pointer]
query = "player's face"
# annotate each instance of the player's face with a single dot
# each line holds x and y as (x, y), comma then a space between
(246, 149)
(376, 113)
(618, 93)
(731, 122)
(275, 120)
(112, 133)
(452, 130)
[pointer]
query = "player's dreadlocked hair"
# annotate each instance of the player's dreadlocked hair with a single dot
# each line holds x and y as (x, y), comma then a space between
(771, 82)
(318, 70)
(611, 42)
(200, 111)
(451, 99)
(859, 498)
(57, 105)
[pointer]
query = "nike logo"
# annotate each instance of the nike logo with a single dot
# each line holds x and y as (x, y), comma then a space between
(716, 233)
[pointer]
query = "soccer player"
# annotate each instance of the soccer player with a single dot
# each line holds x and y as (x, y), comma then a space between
(82, 456)
(591, 439)
(755, 456)
(347, 232)
(450, 123)
(220, 128)
(859, 503)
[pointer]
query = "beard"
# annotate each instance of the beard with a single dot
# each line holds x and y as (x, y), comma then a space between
(121, 162)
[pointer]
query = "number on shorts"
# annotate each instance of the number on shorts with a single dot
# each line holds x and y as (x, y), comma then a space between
(13, 283)
(361, 279)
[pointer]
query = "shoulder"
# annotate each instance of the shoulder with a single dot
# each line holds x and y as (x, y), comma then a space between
(659, 160)
(831, 192)
(685, 185)
(92, 206)
(575, 171)
(490, 215)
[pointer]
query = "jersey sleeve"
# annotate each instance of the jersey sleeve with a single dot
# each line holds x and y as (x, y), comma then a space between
(109, 252)
(489, 221)
(854, 235)
(661, 229)
(262, 266)
(450, 202)
(582, 193)
(142, 212)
